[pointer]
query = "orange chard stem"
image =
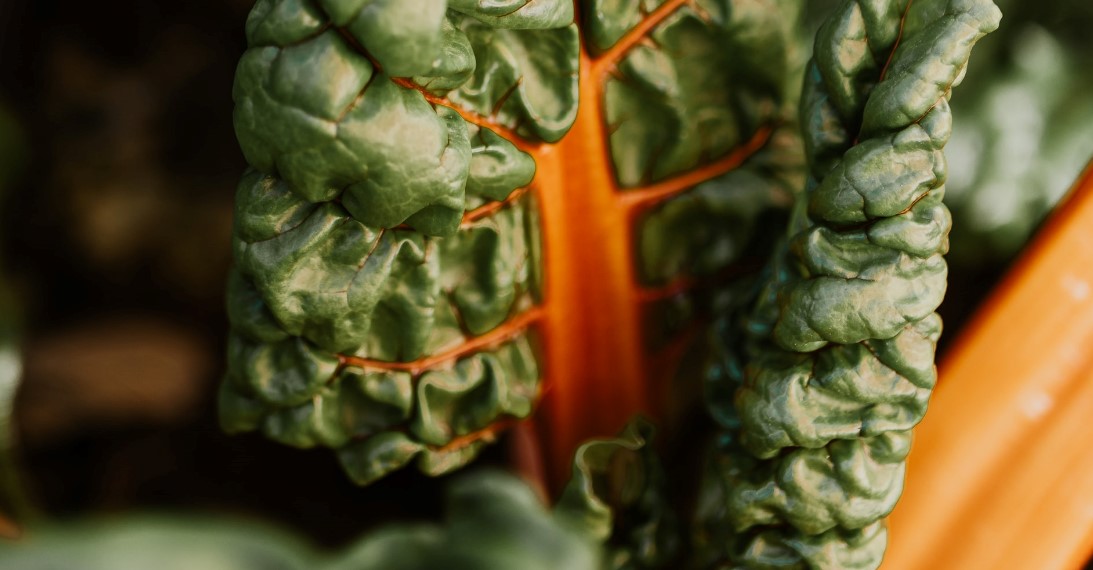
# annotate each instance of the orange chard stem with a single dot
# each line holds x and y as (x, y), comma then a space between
(591, 331)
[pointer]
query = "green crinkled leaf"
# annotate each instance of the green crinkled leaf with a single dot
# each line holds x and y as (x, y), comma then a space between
(402, 35)
(618, 494)
(283, 22)
(379, 421)
(316, 272)
(607, 21)
(312, 281)
(313, 423)
(840, 343)
(496, 165)
(247, 311)
(523, 79)
(475, 392)
(287, 372)
(494, 283)
(823, 131)
(370, 459)
(374, 401)
(880, 177)
(452, 65)
(355, 172)
(517, 14)
(934, 51)
(787, 513)
(857, 39)
(438, 461)
(381, 148)
(846, 550)
(796, 487)
(711, 76)
(353, 405)
(845, 392)
(900, 289)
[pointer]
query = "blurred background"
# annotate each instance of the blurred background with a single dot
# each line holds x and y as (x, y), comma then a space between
(118, 165)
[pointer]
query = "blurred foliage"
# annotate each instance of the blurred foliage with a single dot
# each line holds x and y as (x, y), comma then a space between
(116, 243)
(1022, 131)
(166, 543)
(1023, 128)
(618, 495)
(494, 523)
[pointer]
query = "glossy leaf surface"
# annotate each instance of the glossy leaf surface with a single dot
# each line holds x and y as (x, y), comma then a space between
(460, 212)
(839, 359)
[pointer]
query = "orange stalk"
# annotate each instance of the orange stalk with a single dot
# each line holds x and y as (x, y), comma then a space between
(599, 371)
(1001, 474)
(591, 330)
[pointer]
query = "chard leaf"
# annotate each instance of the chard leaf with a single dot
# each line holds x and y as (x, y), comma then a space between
(710, 76)
(618, 495)
(839, 359)
(383, 228)
(525, 79)
(317, 102)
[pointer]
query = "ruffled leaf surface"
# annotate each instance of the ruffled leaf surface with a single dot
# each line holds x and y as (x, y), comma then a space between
(836, 364)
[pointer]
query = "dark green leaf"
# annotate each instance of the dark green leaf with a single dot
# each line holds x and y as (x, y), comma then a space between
(841, 340)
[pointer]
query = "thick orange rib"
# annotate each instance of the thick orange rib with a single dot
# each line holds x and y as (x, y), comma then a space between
(600, 373)
(591, 328)
(1001, 473)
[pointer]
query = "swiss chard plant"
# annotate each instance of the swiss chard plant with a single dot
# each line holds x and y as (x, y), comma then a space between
(472, 218)
(465, 214)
